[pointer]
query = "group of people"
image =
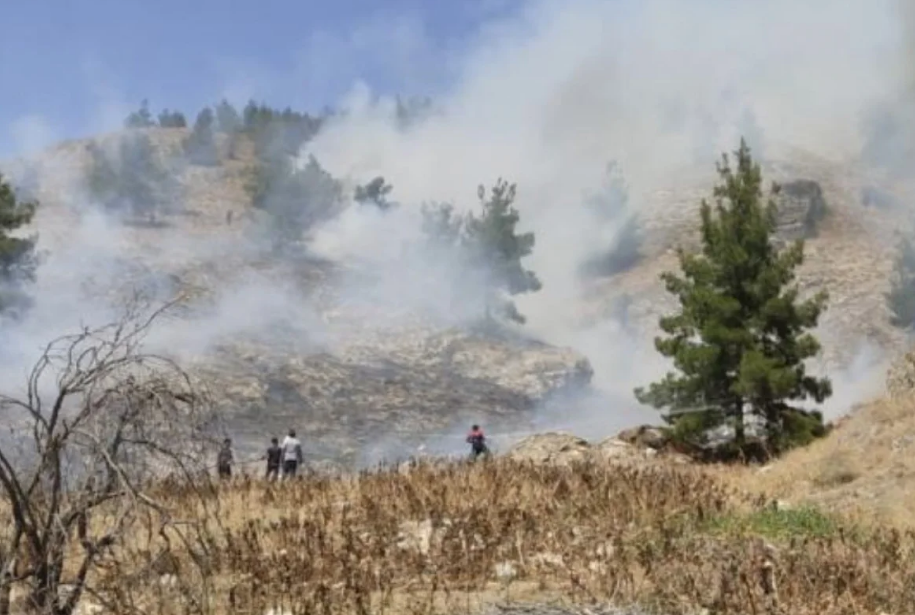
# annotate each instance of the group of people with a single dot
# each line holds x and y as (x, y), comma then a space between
(283, 460)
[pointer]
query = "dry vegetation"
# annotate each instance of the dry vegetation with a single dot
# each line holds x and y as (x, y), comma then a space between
(866, 469)
(450, 538)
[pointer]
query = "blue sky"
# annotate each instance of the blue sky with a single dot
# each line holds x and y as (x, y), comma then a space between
(67, 67)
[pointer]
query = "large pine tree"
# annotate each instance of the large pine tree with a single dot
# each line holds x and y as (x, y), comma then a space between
(741, 336)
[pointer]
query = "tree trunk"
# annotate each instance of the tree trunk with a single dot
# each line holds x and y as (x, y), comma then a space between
(740, 436)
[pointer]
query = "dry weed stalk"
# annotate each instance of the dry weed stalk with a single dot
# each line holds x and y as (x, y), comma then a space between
(98, 422)
(428, 540)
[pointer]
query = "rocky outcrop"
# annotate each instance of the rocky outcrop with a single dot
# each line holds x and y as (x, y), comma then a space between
(382, 398)
(562, 448)
(801, 206)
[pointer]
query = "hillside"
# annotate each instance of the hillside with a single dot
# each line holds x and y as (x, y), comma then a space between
(361, 381)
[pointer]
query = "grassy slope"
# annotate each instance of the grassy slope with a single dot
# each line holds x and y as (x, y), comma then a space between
(451, 538)
(866, 469)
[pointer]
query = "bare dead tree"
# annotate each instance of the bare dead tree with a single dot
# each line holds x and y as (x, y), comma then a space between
(99, 422)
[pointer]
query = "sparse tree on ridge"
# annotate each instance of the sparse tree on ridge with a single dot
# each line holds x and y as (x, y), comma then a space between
(295, 198)
(132, 180)
(901, 297)
(741, 336)
(228, 122)
(172, 119)
(141, 118)
(18, 259)
(200, 145)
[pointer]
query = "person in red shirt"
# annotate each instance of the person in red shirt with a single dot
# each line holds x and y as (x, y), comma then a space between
(477, 442)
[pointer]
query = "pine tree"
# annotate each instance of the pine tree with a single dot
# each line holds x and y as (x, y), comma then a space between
(295, 198)
(200, 145)
(17, 254)
(172, 119)
(901, 297)
(376, 193)
(741, 335)
(228, 121)
(498, 249)
(133, 181)
(141, 118)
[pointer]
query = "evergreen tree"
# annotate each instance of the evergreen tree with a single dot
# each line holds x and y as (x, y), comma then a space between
(200, 145)
(375, 192)
(18, 260)
(741, 336)
(141, 118)
(497, 248)
(901, 297)
(172, 119)
(131, 181)
(295, 198)
(228, 121)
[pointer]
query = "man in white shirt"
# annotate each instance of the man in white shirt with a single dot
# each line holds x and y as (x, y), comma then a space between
(292, 454)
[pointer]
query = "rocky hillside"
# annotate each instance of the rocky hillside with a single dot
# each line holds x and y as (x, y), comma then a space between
(848, 252)
(358, 384)
(357, 391)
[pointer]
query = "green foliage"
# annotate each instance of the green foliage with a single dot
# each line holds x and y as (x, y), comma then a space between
(295, 198)
(901, 297)
(18, 260)
(376, 193)
(610, 206)
(488, 243)
(785, 524)
(142, 118)
(200, 145)
(131, 180)
(741, 336)
(228, 120)
(172, 119)
(277, 134)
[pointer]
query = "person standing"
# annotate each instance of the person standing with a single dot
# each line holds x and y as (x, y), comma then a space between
(225, 459)
(274, 458)
(477, 441)
(292, 454)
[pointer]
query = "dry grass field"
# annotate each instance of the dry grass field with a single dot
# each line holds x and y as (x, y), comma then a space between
(865, 470)
(454, 538)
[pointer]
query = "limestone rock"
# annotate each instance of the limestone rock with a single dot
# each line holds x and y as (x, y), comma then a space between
(644, 436)
(801, 206)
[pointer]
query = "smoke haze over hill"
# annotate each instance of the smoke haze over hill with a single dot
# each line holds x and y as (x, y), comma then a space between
(546, 98)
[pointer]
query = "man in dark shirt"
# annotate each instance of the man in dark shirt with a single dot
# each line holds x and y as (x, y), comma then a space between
(477, 442)
(274, 457)
(225, 459)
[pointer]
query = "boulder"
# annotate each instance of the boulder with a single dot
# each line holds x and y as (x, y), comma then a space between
(644, 436)
(801, 206)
